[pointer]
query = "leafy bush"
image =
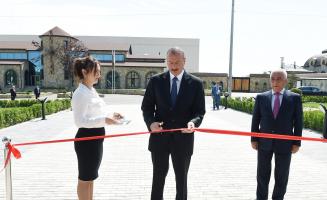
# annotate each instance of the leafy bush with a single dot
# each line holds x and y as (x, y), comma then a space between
(296, 90)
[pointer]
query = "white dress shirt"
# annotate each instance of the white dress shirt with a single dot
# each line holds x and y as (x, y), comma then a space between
(281, 93)
(88, 108)
(179, 77)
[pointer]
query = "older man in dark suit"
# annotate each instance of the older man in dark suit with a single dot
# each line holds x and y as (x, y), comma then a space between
(173, 99)
(277, 111)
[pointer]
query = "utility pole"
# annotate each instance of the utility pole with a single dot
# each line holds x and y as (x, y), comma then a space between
(230, 74)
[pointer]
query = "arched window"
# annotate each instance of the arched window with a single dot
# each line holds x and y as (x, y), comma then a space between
(133, 80)
(148, 76)
(10, 77)
(324, 62)
(109, 80)
(256, 86)
(264, 86)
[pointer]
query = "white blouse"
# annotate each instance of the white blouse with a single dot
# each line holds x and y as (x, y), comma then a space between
(88, 108)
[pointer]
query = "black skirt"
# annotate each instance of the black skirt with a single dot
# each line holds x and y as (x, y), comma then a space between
(89, 153)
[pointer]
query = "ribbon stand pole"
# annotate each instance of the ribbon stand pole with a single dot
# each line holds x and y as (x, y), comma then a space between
(8, 177)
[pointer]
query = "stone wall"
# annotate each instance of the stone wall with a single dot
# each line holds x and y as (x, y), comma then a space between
(207, 81)
(259, 82)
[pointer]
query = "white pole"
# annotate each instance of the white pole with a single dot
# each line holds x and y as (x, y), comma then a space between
(230, 74)
(8, 178)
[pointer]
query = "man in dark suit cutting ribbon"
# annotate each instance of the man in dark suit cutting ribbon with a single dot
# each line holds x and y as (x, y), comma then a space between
(173, 99)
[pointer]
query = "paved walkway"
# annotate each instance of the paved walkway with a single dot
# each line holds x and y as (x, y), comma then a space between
(222, 168)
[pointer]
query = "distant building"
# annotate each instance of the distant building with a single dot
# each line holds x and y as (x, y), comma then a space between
(136, 59)
(317, 63)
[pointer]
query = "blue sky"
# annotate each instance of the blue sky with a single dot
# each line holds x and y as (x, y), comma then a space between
(265, 30)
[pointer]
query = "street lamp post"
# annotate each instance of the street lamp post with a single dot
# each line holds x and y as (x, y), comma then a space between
(113, 85)
(21, 76)
(230, 74)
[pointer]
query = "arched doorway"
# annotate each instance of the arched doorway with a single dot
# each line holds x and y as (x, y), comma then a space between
(27, 78)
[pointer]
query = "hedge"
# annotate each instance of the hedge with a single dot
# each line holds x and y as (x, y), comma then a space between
(243, 104)
(316, 99)
(17, 103)
(15, 115)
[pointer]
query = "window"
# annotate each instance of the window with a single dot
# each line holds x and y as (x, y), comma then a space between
(13, 56)
(65, 44)
(148, 76)
(42, 74)
(10, 77)
(264, 86)
(36, 58)
(132, 80)
(324, 62)
(108, 57)
(109, 80)
(42, 59)
(66, 72)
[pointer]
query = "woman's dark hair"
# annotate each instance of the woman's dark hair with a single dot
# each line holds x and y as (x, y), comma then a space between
(88, 63)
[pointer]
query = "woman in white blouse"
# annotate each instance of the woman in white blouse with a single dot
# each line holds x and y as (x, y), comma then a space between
(90, 118)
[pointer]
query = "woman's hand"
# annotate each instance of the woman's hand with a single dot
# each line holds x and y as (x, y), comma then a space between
(117, 116)
(111, 121)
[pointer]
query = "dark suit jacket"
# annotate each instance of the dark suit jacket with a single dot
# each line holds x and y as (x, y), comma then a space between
(37, 92)
(156, 107)
(289, 121)
(13, 93)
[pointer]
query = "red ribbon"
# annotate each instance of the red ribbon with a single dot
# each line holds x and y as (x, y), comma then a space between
(17, 154)
(260, 135)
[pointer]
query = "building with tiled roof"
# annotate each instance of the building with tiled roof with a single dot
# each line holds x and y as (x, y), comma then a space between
(30, 60)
